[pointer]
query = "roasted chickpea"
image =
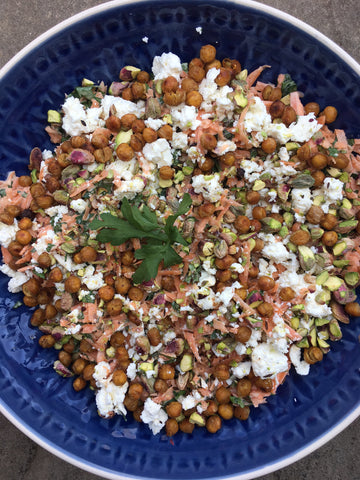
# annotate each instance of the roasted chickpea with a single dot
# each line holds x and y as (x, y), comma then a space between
(186, 426)
(223, 275)
(329, 221)
(37, 190)
(353, 309)
(286, 294)
(138, 126)
(79, 384)
(114, 307)
(23, 237)
(265, 384)
(79, 365)
(258, 213)
(117, 339)
(174, 98)
(119, 377)
(289, 115)
(88, 254)
(189, 85)
(265, 309)
(45, 296)
(136, 294)
(113, 123)
(313, 355)
(138, 90)
(50, 312)
(6, 218)
(137, 142)
(243, 387)
(221, 371)
(135, 390)
(213, 423)
(243, 334)
(44, 260)
(242, 413)
(206, 210)
(259, 245)
(168, 283)
(166, 173)
(252, 197)
(103, 155)
(226, 411)
(63, 160)
(149, 135)
(154, 336)
(196, 73)
(276, 109)
(169, 84)
(174, 409)
(38, 317)
(88, 371)
(30, 301)
(242, 224)
(266, 283)
(330, 114)
(72, 284)
(207, 164)
(106, 293)
(15, 248)
(69, 347)
(222, 395)
(65, 358)
(56, 275)
(46, 341)
(160, 386)
(329, 238)
(224, 263)
(228, 159)
(171, 427)
(131, 403)
(25, 223)
(31, 288)
(166, 372)
(208, 141)
(341, 161)
(165, 131)
(122, 285)
(194, 98)
(77, 141)
(25, 181)
(312, 107)
(315, 215)
(207, 53)
(319, 161)
(143, 77)
(223, 77)
(275, 94)
(300, 237)
(127, 258)
(269, 145)
(127, 94)
(13, 210)
(124, 152)
(214, 64)
(319, 177)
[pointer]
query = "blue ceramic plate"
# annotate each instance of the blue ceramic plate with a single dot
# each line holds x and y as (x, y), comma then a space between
(307, 410)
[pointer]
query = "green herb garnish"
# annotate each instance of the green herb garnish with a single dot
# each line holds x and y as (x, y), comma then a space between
(144, 225)
(288, 85)
(237, 401)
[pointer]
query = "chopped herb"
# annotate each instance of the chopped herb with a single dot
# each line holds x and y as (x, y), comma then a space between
(237, 401)
(81, 316)
(185, 66)
(179, 394)
(193, 274)
(17, 305)
(351, 142)
(90, 298)
(49, 247)
(253, 153)
(228, 135)
(176, 307)
(2, 192)
(333, 152)
(288, 85)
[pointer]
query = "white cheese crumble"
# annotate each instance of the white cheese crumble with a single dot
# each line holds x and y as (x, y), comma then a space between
(267, 361)
(209, 186)
(184, 117)
(179, 140)
(78, 205)
(78, 120)
(8, 233)
(168, 64)
(313, 308)
(158, 153)
(153, 415)
(301, 199)
(301, 367)
(242, 370)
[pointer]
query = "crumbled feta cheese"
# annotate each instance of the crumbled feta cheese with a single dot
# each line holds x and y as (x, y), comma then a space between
(17, 278)
(168, 64)
(257, 118)
(153, 415)
(94, 282)
(188, 402)
(129, 188)
(101, 373)
(252, 170)
(333, 189)
(131, 371)
(179, 140)
(73, 330)
(184, 117)
(301, 199)
(224, 146)
(199, 30)
(267, 361)
(283, 154)
(110, 399)
(158, 153)
(168, 336)
(209, 186)
(313, 308)
(301, 367)
(276, 252)
(242, 370)
(121, 106)
(44, 240)
(78, 205)
(154, 123)
(8, 233)
(78, 120)
(145, 39)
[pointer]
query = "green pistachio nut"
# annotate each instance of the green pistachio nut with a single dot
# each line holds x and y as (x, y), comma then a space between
(306, 257)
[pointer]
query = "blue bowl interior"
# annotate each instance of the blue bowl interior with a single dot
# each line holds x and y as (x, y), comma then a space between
(96, 48)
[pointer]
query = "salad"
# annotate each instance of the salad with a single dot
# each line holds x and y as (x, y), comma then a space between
(192, 238)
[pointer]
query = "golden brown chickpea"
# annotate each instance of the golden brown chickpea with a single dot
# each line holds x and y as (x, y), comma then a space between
(329, 221)
(88, 254)
(52, 183)
(312, 107)
(289, 115)
(330, 114)
(54, 168)
(341, 161)
(88, 371)
(207, 164)
(69, 347)
(143, 77)
(259, 245)
(319, 177)
(214, 64)
(329, 238)
(258, 213)
(186, 426)
(168, 283)
(138, 90)
(117, 339)
(50, 312)
(304, 152)
(208, 141)
(56, 275)
(77, 258)
(122, 285)
(266, 283)
(275, 94)
(194, 98)
(269, 145)
(224, 263)
(265, 309)
(154, 336)
(106, 293)
(353, 309)
(135, 390)
(30, 301)
(119, 378)
(15, 248)
(127, 94)
(25, 181)
(243, 387)
(174, 409)
(300, 237)
(319, 161)
(124, 152)
(6, 218)
(313, 355)
(233, 65)
(171, 427)
(79, 365)
(109, 279)
(31, 288)
(166, 372)
(23, 237)
(252, 197)
(265, 384)
(149, 135)
(13, 210)
(138, 126)
(160, 386)
(212, 408)
(113, 123)
(206, 210)
(166, 173)
(315, 215)
(65, 358)
(276, 109)
(223, 275)
(196, 73)
(228, 159)
(127, 258)
(226, 411)
(79, 384)
(242, 224)
(45, 296)
(121, 353)
(169, 84)
(213, 423)
(165, 131)
(44, 201)
(223, 77)
(37, 190)
(286, 294)
(77, 141)
(221, 371)
(63, 160)
(103, 155)
(253, 271)
(135, 294)
(189, 85)
(25, 223)
(72, 284)
(207, 53)
(38, 317)
(46, 341)
(222, 395)
(66, 146)
(114, 307)
(242, 413)
(243, 334)
(131, 403)
(267, 92)
(44, 260)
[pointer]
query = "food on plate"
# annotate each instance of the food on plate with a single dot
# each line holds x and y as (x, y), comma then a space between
(193, 236)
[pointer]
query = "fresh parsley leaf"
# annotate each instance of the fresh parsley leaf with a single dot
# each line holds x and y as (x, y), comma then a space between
(288, 85)
(237, 401)
(333, 152)
(2, 192)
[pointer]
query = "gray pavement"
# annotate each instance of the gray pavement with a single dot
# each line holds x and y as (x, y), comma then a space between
(23, 20)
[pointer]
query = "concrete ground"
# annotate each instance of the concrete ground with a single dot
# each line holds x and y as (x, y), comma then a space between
(23, 20)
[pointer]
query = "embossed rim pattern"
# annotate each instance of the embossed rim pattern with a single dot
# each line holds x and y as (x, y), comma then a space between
(319, 438)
